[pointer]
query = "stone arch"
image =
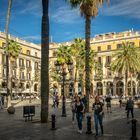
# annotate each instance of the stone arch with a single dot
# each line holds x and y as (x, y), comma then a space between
(27, 85)
(71, 88)
(35, 87)
(99, 87)
(13, 85)
(21, 85)
(109, 87)
(4, 84)
(119, 88)
(131, 86)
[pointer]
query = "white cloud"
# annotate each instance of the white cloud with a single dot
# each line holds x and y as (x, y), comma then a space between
(32, 38)
(128, 8)
(65, 14)
(29, 7)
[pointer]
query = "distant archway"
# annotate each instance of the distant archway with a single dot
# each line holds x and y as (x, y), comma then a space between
(35, 87)
(13, 85)
(131, 86)
(99, 87)
(109, 88)
(71, 89)
(27, 86)
(21, 85)
(119, 88)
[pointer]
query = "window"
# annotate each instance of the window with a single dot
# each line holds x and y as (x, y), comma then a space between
(21, 62)
(99, 48)
(28, 52)
(28, 76)
(132, 43)
(14, 73)
(36, 65)
(35, 54)
(108, 47)
(119, 46)
(3, 59)
(108, 59)
(22, 75)
(28, 63)
(4, 72)
(3, 44)
(100, 60)
(54, 53)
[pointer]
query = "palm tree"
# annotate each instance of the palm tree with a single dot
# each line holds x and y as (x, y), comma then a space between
(13, 52)
(45, 62)
(75, 51)
(126, 60)
(88, 9)
(63, 54)
(7, 55)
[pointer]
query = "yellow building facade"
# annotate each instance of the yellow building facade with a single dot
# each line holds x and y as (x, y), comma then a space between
(26, 68)
(24, 71)
(105, 45)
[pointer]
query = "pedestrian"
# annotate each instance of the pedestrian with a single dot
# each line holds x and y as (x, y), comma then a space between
(98, 115)
(84, 100)
(57, 100)
(120, 101)
(73, 109)
(108, 103)
(2, 99)
(54, 101)
(1, 102)
(79, 107)
(130, 108)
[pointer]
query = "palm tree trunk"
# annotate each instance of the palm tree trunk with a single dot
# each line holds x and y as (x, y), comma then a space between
(45, 63)
(87, 49)
(126, 77)
(7, 56)
(75, 80)
(131, 85)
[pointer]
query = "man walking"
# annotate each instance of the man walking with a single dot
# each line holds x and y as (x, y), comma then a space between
(130, 107)
(108, 103)
(0, 102)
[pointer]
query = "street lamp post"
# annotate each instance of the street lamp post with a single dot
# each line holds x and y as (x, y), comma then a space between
(63, 91)
(64, 73)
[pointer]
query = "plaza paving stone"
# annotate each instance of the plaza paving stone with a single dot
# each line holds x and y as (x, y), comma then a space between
(13, 127)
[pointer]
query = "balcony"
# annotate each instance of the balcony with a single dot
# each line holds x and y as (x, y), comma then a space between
(108, 77)
(22, 67)
(22, 78)
(119, 77)
(107, 64)
(98, 78)
(29, 68)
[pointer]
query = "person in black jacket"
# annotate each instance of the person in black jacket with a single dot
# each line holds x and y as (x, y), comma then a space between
(108, 103)
(98, 114)
(130, 107)
(79, 108)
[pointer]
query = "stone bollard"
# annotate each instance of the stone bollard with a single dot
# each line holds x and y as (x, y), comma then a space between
(134, 137)
(53, 122)
(88, 125)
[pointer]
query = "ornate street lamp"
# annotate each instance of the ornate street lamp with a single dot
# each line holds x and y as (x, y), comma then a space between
(62, 67)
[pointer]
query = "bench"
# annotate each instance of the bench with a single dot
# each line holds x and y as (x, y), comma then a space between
(28, 112)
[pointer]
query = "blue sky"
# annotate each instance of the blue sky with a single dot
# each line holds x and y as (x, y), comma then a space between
(66, 23)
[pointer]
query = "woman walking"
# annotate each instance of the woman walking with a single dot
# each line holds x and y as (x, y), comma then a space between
(98, 114)
(79, 108)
